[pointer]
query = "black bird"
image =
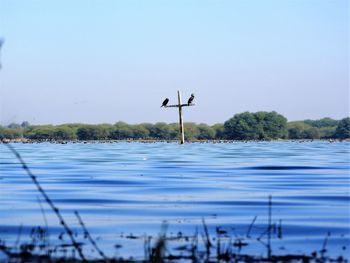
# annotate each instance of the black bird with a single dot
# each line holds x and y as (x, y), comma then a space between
(165, 102)
(190, 99)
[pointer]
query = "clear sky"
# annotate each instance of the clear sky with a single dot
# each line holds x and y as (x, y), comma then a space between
(105, 61)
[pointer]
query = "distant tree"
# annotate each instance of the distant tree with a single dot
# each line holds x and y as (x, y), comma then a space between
(274, 126)
(326, 132)
(242, 126)
(312, 129)
(105, 130)
(260, 131)
(174, 131)
(343, 129)
(259, 125)
(296, 130)
(139, 132)
(219, 131)
(205, 132)
(10, 133)
(74, 126)
(302, 130)
(13, 125)
(160, 131)
(322, 123)
(312, 133)
(64, 133)
(191, 131)
(92, 132)
(122, 131)
(25, 124)
(41, 132)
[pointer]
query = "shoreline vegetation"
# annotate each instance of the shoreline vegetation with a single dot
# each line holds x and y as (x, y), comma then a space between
(30, 141)
(246, 126)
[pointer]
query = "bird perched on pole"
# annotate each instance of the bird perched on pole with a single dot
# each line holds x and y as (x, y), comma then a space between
(165, 102)
(190, 99)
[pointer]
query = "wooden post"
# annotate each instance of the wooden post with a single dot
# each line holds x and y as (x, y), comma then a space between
(181, 123)
(182, 132)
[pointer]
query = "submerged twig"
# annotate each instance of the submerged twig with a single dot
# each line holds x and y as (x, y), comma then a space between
(158, 252)
(87, 234)
(206, 239)
(269, 229)
(47, 236)
(18, 236)
(324, 245)
(250, 226)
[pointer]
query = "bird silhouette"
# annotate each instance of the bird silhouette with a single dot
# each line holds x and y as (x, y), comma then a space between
(190, 99)
(165, 102)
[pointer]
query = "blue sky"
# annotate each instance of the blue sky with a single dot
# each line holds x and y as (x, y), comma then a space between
(106, 61)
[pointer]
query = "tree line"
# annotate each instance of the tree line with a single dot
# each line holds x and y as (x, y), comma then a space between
(242, 126)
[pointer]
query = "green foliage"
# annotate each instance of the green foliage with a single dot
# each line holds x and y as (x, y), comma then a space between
(219, 131)
(312, 133)
(252, 126)
(326, 132)
(274, 125)
(42, 132)
(64, 133)
(191, 131)
(343, 129)
(322, 123)
(13, 125)
(313, 129)
(174, 130)
(93, 132)
(205, 132)
(243, 126)
(301, 130)
(121, 131)
(25, 124)
(140, 132)
(11, 133)
(160, 131)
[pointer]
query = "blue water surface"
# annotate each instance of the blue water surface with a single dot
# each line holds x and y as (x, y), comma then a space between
(124, 191)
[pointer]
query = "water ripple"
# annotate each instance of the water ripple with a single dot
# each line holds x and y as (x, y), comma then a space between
(133, 187)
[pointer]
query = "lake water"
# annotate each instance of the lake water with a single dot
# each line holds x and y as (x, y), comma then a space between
(126, 190)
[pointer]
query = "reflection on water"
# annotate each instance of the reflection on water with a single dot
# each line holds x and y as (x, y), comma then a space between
(124, 188)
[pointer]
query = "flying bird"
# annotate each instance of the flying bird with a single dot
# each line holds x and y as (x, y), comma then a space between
(190, 99)
(165, 102)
